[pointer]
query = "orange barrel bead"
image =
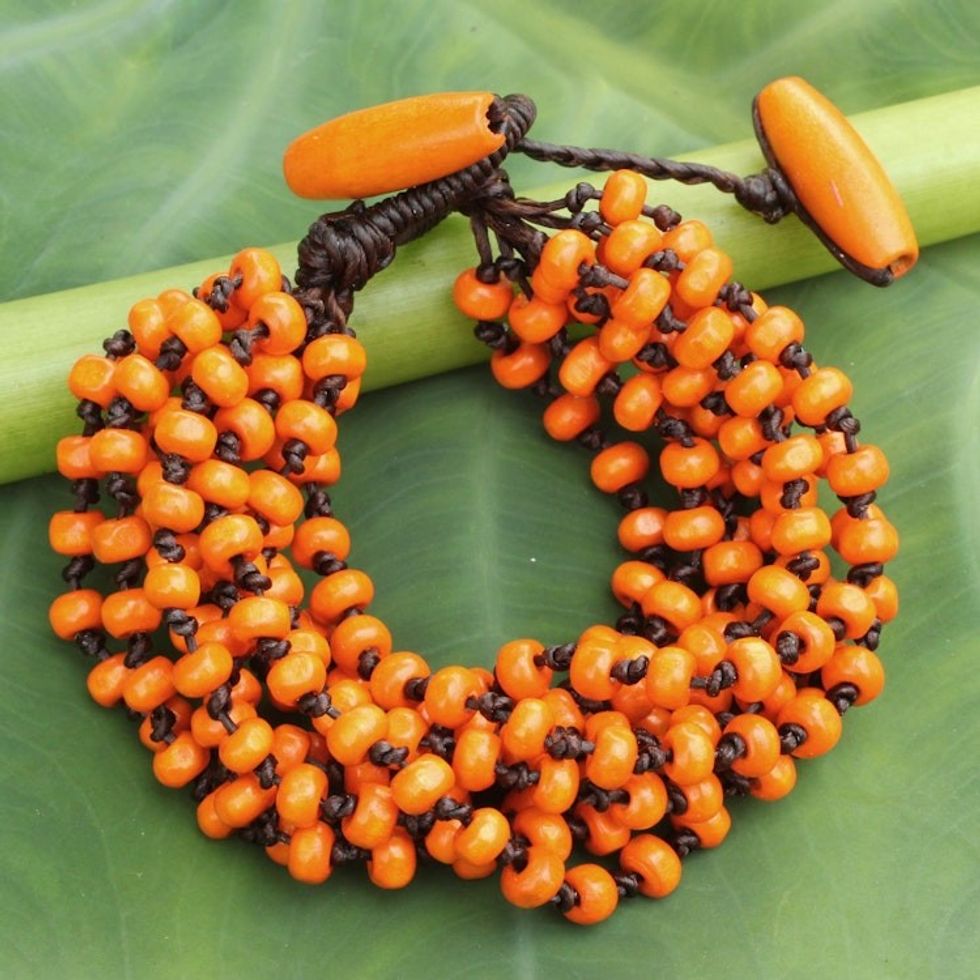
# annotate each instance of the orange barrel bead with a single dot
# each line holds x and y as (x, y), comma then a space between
(257, 616)
(606, 834)
(260, 274)
(557, 785)
(186, 433)
(814, 641)
(562, 257)
(673, 602)
(107, 680)
(516, 670)
(392, 863)
(636, 404)
(524, 732)
(835, 176)
(772, 332)
(310, 853)
(818, 718)
(228, 537)
(692, 751)
(848, 603)
(70, 533)
(694, 529)
(172, 586)
(118, 450)
(475, 757)
(483, 839)
(802, 529)
(668, 679)
(273, 497)
(522, 367)
(620, 341)
(703, 799)
(647, 802)
(629, 245)
(73, 458)
(92, 378)
(611, 763)
(417, 787)
(873, 539)
(583, 368)
(778, 590)
(623, 195)
(73, 612)
(208, 821)
(197, 674)
(166, 505)
(180, 762)
(337, 593)
(374, 818)
(711, 832)
(795, 457)
(707, 336)
(149, 685)
(687, 239)
(547, 830)
(354, 732)
(688, 467)
(757, 667)
(357, 635)
(532, 319)
(216, 372)
(761, 741)
(282, 374)
(282, 321)
(860, 472)
(308, 422)
(247, 746)
(447, 693)
(392, 146)
(141, 382)
(858, 666)
(597, 894)
(819, 394)
(776, 783)
(480, 300)
(537, 882)
(642, 528)
(702, 278)
(388, 680)
(129, 611)
(753, 389)
(568, 416)
(884, 594)
(251, 424)
(655, 863)
(196, 324)
(731, 562)
(219, 483)
(619, 465)
(643, 300)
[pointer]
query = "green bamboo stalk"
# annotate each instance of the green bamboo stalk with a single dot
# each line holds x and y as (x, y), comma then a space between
(405, 318)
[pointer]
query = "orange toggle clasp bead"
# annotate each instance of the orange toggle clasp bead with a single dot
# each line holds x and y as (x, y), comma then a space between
(846, 196)
(392, 146)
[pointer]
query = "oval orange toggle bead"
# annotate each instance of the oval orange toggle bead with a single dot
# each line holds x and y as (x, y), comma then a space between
(836, 177)
(392, 146)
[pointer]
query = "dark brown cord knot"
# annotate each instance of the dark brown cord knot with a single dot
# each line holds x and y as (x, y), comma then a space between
(842, 696)
(439, 741)
(518, 776)
(632, 671)
(120, 344)
(335, 807)
(493, 706)
(317, 705)
(383, 753)
(766, 194)
(791, 737)
(651, 755)
(729, 748)
(447, 808)
(567, 743)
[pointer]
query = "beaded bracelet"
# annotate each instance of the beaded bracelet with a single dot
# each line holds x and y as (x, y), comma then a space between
(211, 423)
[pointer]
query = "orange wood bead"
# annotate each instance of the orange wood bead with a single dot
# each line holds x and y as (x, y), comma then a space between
(637, 402)
(815, 637)
(392, 146)
(606, 835)
(870, 540)
(703, 277)
(655, 862)
(684, 386)
(776, 783)
(310, 853)
(118, 451)
(623, 196)
(818, 718)
(611, 763)
(416, 788)
(334, 354)
(819, 394)
(475, 758)
(537, 882)
(524, 732)
(668, 678)
(517, 673)
(692, 751)
(757, 667)
(374, 818)
(247, 746)
(534, 320)
(642, 528)
(334, 595)
(688, 467)
(858, 666)
(392, 863)
(522, 367)
(849, 604)
(712, 832)
(480, 300)
(146, 322)
(629, 245)
(309, 423)
(703, 799)
(596, 891)
(149, 685)
(583, 368)
(884, 594)
(673, 602)
(389, 678)
(196, 324)
(260, 274)
(251, 423)
(180, 762)
(694, 529)
(761, 741)
(772, 332)
(619, 466)
(835, 175)
(687, 239)
(568, 416)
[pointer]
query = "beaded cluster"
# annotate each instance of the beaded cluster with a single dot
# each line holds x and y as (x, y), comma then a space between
(211, 423)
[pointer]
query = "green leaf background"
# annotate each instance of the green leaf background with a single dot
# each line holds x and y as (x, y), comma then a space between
(139, 135)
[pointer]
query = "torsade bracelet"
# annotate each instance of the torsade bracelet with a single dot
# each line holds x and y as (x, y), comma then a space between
(210, 429)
